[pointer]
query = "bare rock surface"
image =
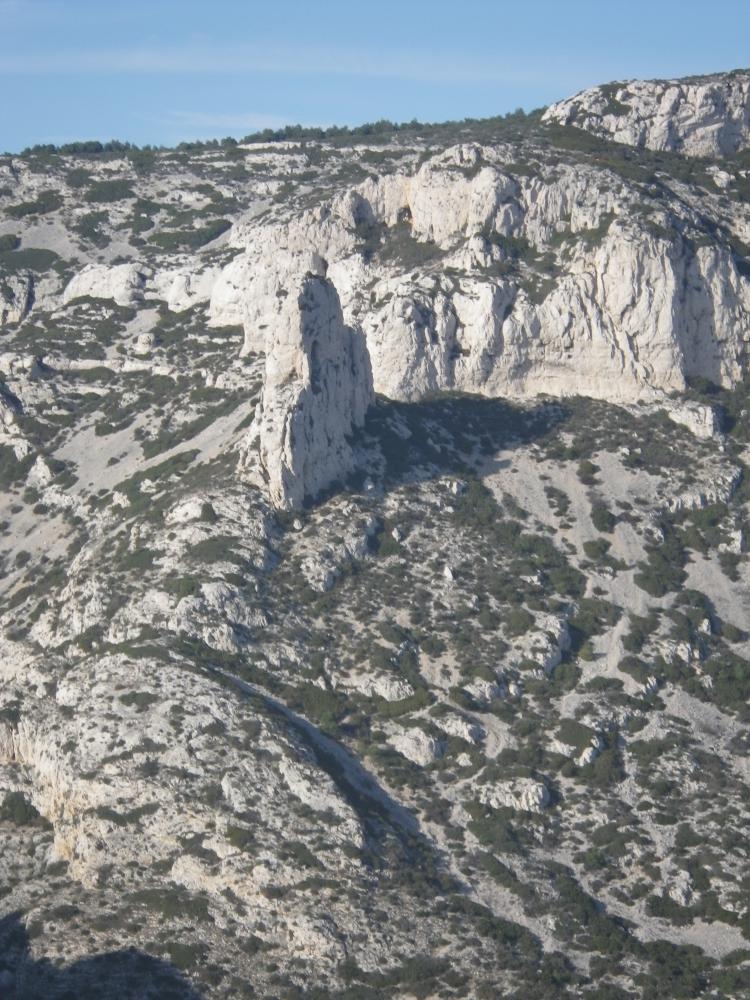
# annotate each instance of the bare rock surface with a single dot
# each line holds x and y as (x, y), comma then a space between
(316, 391)
(702, 116)
(374, 584)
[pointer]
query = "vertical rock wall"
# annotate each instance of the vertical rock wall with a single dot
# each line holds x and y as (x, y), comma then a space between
(317, 388)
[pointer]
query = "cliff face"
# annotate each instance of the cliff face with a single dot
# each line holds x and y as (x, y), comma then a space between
(484, 279)
(316, 391)
(706, 116)
(498, 680)
(503, 269)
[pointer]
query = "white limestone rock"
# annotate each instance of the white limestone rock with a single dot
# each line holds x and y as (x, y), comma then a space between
(680, 887)
(632, 311)
(252, 289)
(589, 754)
(184, 287)
(10, 408)
(701, 420)
(379, 685)
(317, 389)
(464, 728)
(123, 283)
(634, 316)
(719, 490)
(320, 571)
(417, 746)
(704, 116)
(544, 644)
(218, 615)
(520, 794)
(40, 474)
(144, 344)
(484, 691)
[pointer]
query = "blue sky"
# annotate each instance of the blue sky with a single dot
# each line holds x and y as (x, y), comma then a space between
(159, 71)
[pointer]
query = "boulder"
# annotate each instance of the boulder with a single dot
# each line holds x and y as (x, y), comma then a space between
(520, 794)
(417, 746)
(123, 283)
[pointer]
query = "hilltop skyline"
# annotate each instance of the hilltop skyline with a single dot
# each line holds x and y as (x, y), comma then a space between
(160, 74)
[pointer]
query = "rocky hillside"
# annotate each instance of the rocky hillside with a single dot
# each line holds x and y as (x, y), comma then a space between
(374, 596)
(707, 116)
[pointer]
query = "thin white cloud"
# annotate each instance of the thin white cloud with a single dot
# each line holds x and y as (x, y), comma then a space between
(26, 10)
(211, 58)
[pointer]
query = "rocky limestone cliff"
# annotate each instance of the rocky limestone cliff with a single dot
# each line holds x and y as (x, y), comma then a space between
(499, 681)
(702, 116)
(316, 390)
(496, 268)
(562, 280)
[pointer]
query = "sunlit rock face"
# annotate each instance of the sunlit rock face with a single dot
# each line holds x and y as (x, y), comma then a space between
(316, 391)
(374, 571)
(704, 116)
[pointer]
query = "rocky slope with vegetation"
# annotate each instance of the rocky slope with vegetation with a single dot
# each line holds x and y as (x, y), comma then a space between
(707, 116)
(373, 580)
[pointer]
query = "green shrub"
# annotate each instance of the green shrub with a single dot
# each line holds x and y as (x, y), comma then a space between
(17, 809)
(640, 630)
(386, 545)
(184, 955)
(664, 570)
(89, 228)
(78, 177)
(603, 519)
(30, 259)
(636, 668)
(172, 901)
(139, 559)
(190, 239)
(139, 699)
(240, 837)
(587, 471)
(103, 192)
(216, 548)
(607, 768)
(574, 734)
(397, 245)
(518, 621)
(597, 549)
(558, 499)
(46, 201)
(208, 514)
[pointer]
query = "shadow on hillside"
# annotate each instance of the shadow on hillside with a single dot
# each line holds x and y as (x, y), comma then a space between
(394, 841)
(124, 975)
(451, 434)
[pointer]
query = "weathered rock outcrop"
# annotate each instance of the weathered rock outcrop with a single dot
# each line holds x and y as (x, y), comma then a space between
(627, 307)
(124, 283)
(703, 116)
(635, 314)
(184, 287)
(250, 291)
(501, 683)
(16, 292)
(317, 388)
(521, 795)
